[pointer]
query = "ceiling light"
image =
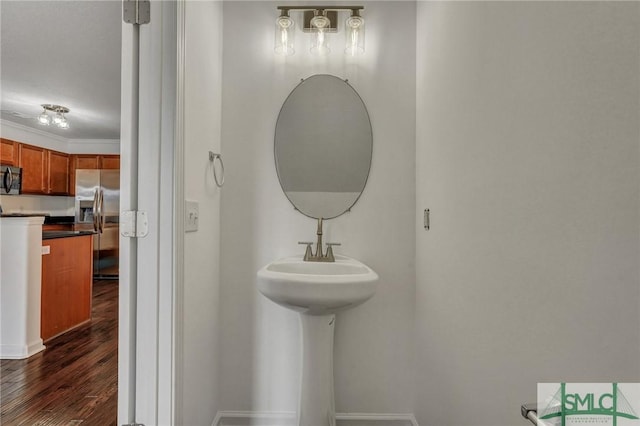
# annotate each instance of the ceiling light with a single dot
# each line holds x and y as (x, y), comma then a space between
(44, 118)
(319, 21)
(58, 118)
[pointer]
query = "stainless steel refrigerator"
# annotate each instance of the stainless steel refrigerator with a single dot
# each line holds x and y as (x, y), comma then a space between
(98, 208)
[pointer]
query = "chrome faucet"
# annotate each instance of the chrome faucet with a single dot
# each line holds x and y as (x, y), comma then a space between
(309, 256)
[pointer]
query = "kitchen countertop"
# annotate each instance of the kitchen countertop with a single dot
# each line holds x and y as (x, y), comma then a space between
(48, 235)
(23, 214)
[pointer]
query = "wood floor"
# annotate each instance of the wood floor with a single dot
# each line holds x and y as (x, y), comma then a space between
(74, 380)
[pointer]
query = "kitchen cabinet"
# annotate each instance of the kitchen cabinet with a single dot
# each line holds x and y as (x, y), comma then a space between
(67, 278)
(111, 162)
(58, 173)
(33, 161)
(8, 152)
(44, 172)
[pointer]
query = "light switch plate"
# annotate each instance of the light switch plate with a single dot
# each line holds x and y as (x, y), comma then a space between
(46, 249)
(191, 216)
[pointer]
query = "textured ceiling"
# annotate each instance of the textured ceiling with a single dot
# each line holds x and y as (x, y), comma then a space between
(65, 53)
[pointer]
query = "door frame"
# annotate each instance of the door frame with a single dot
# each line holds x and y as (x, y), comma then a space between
(146, 342)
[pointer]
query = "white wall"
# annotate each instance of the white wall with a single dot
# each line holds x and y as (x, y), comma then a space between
(374, 342)
(528, 157)
(203, 73)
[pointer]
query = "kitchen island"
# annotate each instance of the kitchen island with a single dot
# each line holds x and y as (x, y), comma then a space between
(67, 278)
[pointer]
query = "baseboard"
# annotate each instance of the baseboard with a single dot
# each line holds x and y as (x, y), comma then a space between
(21, 351)
(254, 418)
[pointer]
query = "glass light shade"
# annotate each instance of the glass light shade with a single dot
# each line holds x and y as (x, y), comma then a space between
(319, 42)
(57, 119)
(63, 124)
(354, 26)
(285, 31)
(44, 118)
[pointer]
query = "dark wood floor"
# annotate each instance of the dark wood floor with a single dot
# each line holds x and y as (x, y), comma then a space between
(74, 380)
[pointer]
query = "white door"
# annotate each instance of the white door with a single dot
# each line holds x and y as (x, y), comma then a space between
(145, 354)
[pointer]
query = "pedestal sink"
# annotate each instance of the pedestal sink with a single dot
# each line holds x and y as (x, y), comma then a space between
(317, 290)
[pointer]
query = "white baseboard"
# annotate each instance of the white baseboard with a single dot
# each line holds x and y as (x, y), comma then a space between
(21, 351)
(254, 418)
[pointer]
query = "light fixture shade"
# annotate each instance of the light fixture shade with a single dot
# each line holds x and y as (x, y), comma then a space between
(44, 118)
(58, 118)
(354, 33)
(319, 42)
(285, 34)
(63, 123)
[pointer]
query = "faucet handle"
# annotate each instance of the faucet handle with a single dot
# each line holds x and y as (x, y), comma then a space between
(307, 253)
(330, 257)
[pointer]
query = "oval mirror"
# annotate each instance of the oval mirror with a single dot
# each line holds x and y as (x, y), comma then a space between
(323, 146)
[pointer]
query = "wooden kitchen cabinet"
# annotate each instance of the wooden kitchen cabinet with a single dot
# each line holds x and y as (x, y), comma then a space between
(67, 278)
(58, 173)
(8, 152)
(33, 161)
(44, 172)
(111, 162)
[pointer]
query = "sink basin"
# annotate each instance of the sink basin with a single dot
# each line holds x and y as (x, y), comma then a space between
(317, 288)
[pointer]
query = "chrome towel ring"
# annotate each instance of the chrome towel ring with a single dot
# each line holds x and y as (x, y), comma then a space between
(212, 158)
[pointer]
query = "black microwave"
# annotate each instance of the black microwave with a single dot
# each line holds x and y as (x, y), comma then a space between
(10, 180)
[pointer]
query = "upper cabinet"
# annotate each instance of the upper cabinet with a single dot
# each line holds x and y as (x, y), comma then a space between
(44, 172)
(48, 172)
(8, 152)
(58, 173)
(110, 162)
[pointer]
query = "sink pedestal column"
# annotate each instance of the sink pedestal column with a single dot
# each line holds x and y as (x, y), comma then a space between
(316, 405)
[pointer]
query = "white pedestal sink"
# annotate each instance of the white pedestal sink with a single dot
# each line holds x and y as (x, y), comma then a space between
(317, 290)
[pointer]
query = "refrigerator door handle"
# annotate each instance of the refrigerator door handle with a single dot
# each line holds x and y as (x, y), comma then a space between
(101, 211)
(95, 211)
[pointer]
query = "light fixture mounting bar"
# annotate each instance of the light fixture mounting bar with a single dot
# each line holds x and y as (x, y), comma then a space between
(55, 108)
(320, 8)
(330, 12)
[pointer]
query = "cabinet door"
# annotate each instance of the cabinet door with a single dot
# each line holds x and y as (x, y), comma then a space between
(8, 152)
(58, 181)
(81, 161)
(66, 285)
(33, 161)
(110, 162)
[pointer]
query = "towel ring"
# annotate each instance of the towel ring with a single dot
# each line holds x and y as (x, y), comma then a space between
(213, 157)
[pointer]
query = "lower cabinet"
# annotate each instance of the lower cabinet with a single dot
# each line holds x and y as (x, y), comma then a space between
(67, 278)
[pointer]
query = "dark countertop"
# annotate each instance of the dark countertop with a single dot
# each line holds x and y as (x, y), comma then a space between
(59, 219)
(23, 215)
(49, 235)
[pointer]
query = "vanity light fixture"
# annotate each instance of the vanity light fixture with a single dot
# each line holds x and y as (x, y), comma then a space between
(58, 117)
(319, 21)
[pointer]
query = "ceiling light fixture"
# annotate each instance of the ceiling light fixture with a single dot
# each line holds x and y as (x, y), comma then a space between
(58, 118)
(319, 21)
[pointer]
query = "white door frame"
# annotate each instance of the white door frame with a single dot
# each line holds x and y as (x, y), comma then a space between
(146, 349)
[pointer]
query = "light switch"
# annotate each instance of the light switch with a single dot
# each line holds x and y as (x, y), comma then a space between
(46, 249)
(191, 216)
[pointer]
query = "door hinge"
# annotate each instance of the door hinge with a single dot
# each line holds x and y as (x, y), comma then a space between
(136, 11)
(134, 224)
